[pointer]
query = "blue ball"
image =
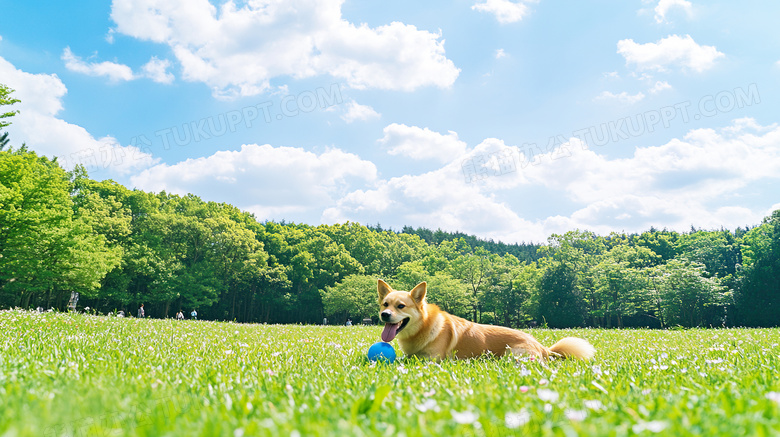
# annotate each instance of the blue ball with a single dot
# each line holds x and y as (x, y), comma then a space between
(382, 352)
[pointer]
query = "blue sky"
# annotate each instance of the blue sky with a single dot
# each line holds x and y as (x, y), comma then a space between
(510, 120)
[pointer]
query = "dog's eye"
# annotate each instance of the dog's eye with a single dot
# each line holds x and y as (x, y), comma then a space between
(385, 304)
(401, 306)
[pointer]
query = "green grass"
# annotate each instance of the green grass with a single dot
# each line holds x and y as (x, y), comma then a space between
(73, 374)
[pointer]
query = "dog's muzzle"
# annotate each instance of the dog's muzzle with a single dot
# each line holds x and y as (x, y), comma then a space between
(386, 315)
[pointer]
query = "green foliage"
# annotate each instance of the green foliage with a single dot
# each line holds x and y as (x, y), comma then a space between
(62, 232)
(6, 100)
(757, 298)
(687, 297)
(355, 297)
(560, 304)
(474, 269)
(449, 293)
(621, 284)
(48, 247)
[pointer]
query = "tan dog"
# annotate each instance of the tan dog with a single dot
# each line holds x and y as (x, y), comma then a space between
(426, 331)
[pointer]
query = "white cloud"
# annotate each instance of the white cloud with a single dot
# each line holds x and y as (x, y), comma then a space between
(157, 70)
(700, 179)
(505, 11)
(660, 86)
(355, 111)
(113, 71)
(672, 50)
(695, 180)
(500, 53)
(421, 143)
(238, 50)
(39, 127)
(445, 198)
(664, 6)
(439, 199)
(623, 97)
(272, 182)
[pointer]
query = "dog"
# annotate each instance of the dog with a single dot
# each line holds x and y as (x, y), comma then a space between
(424, 330)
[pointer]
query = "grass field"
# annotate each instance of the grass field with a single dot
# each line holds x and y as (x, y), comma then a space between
(74, 374)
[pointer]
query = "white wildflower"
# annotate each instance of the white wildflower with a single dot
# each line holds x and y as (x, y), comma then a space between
(428, 405)
(576, 415)
(465, 417)
(516, 420)
(547, 395)
(594, 404)
(652, 426)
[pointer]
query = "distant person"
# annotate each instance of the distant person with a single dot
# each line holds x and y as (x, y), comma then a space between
(141, 312)
(325, 321)
(194, 315)
(349, 322)
(180, 315)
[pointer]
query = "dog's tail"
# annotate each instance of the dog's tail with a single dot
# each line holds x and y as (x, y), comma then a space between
(573, 347)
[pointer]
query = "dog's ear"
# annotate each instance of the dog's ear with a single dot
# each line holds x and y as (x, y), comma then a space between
(383, 289)
(418, 293)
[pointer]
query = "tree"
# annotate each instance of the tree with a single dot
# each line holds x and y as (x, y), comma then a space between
(663, 243)
(621, 283)
(6, 100)
(508, 294)
(313, 261)
(409, 274)
(364, 245)
(48, 248)
(567, 284)
(559, 302)
(355, 297)
(687, 297)
(474, 270)
(718, 251)
(757, 298)
(449, 293)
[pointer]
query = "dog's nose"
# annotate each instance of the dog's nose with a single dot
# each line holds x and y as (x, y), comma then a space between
(386, 315)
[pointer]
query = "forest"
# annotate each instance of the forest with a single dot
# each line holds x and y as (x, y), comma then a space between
(62, 232)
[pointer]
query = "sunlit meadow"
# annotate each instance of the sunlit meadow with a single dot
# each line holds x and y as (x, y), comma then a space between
(82, 375)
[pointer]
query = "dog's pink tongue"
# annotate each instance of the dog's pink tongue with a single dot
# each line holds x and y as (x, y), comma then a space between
(389, 332)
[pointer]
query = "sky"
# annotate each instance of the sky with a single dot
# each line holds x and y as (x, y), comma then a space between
(508, 119)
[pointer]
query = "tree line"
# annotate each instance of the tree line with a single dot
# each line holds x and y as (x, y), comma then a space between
(62, 232)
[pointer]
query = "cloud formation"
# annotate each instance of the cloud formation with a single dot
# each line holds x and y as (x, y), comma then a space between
(238, 50)
(664, 6)
(272, 182)
(39, 127)
(505, 11)
(700, 179)
(421, 143)
(674, 50)
(113, 71)
(622, 97)
(354, 111)
(156, 69)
